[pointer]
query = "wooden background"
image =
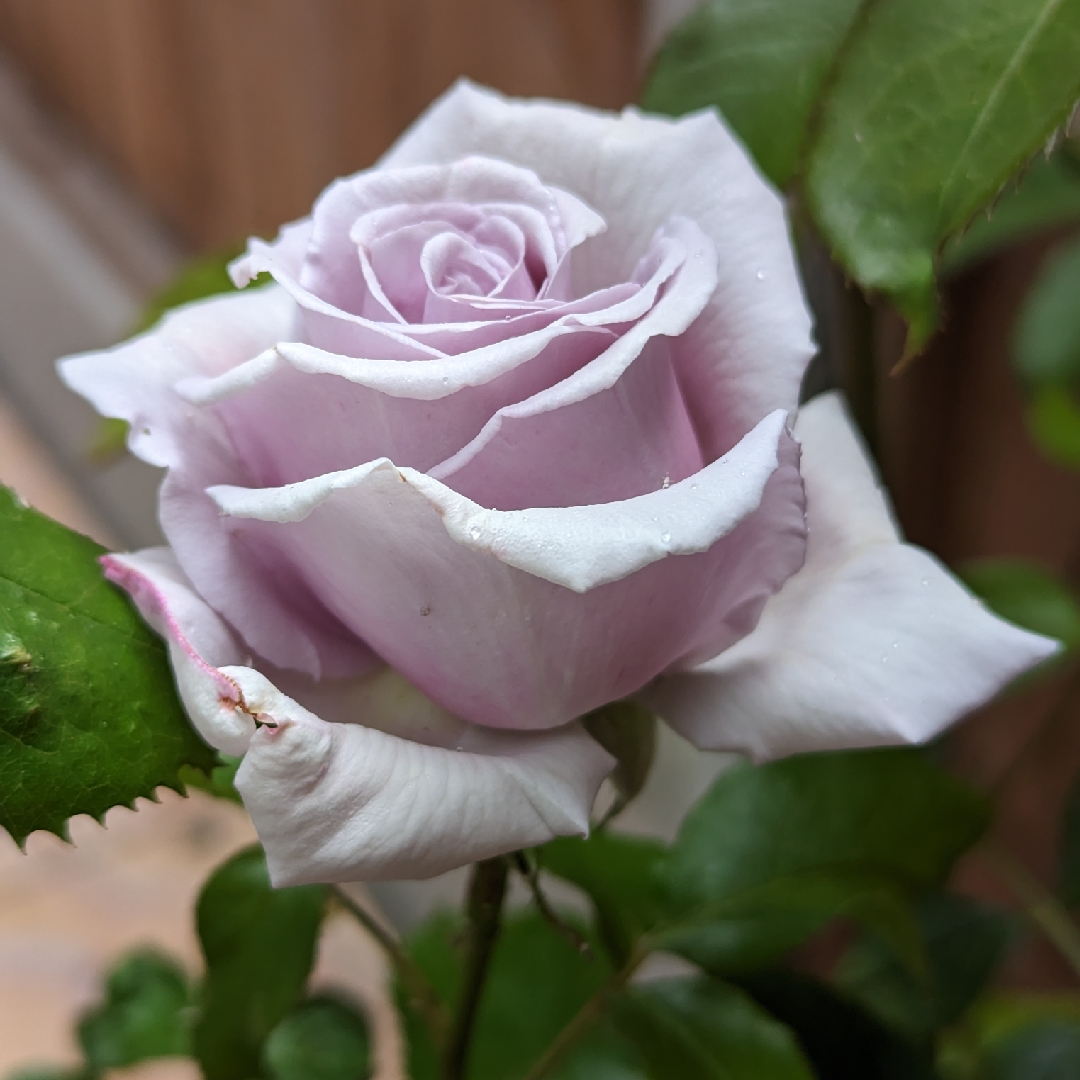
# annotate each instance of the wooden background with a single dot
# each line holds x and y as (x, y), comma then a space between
(230, 115)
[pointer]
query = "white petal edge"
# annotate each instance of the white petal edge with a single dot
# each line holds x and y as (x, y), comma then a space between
(872, 643)
(341, 802)
(578, 547)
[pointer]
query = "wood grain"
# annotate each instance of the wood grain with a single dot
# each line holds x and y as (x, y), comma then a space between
(229, 116)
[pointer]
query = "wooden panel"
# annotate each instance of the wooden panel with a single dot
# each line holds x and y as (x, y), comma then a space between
(230, 115)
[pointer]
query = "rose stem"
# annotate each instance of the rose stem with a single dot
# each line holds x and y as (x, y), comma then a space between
(487, 890)
(528, 869)
(1040, 905)
(588, 1014)
(421, 993)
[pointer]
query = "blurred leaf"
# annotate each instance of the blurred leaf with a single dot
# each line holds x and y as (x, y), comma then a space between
(840, 1040)
(219, 782)
(1049, 1050)
(198, 279)
(1046, 335)
(259, 944)
(1069, 849)
(755, 928)
(771, 852)
(933, 107)
(1027, 595)
(618, 872)
(46, 1072)
(109, 441)
(537, 982)
(699, 1027)
(762, 65)
(1046, 196)
(627, 731)
(1054, 422)
(965, 943)
(89, 715)
(144, 1015)
(323, 1038)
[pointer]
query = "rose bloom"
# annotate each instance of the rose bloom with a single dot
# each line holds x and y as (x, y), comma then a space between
(515, 433)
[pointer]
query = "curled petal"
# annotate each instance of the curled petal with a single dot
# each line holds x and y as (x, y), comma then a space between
(872, 643)
(529, 618)
(341, 802)
(390, 785)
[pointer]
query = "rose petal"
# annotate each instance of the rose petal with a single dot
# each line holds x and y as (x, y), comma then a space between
(872, 643)
(272, 412)
(341, 802)
(747, 352)
(446, 601)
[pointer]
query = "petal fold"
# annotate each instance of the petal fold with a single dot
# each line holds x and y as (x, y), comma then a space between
(872, 643)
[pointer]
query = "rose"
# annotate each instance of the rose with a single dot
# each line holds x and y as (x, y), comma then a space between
(510, 438)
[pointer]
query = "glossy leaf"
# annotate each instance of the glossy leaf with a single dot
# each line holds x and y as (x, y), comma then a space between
(699, 1027)
(144, 1014)
(761, 64)
(841, 1040)
(965, 943)
(873, 828)
(324, 1038)
(1046, 336)
(627, 731)
(1026, 594)
(1046, 196)
(934, 106)
(619, 875)
(259, 944)
(89, 716)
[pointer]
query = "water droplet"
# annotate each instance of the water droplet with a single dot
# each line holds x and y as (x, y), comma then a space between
(693, 487)
(474, 532)
(426, 609)
(858, 137)
(667, 482)
(761, 275)
(665, 538)
(925, 583)
(896, 644)
(884, 659)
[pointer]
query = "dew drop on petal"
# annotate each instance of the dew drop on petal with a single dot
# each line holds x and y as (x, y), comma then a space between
(665, 538)
(667, 482)
(761, 275)
(474, 532)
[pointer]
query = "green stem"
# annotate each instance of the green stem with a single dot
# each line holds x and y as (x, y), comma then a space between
(1041, 906)
(587, 1015)
(422, 994)
(487, 890)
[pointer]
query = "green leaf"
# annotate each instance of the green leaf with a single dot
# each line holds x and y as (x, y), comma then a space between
(1046, 196)
(536, 983)
(965, 943)
(1027, 595)
(1045, 1051)
(772, 852)
(324, 1038)
(145, 1014)
(840, 1040)
(702, 1028)
(761, 64)
(618, 873)
(1069, 848)
(259, 944)
(934, 106)
(627, 731)
(89, 716)
(1054, 422)
(1046, 335)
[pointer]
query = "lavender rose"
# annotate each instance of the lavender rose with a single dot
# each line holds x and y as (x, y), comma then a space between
(515, 434)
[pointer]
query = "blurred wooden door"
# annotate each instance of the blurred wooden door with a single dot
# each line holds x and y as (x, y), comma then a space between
(230, 115)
